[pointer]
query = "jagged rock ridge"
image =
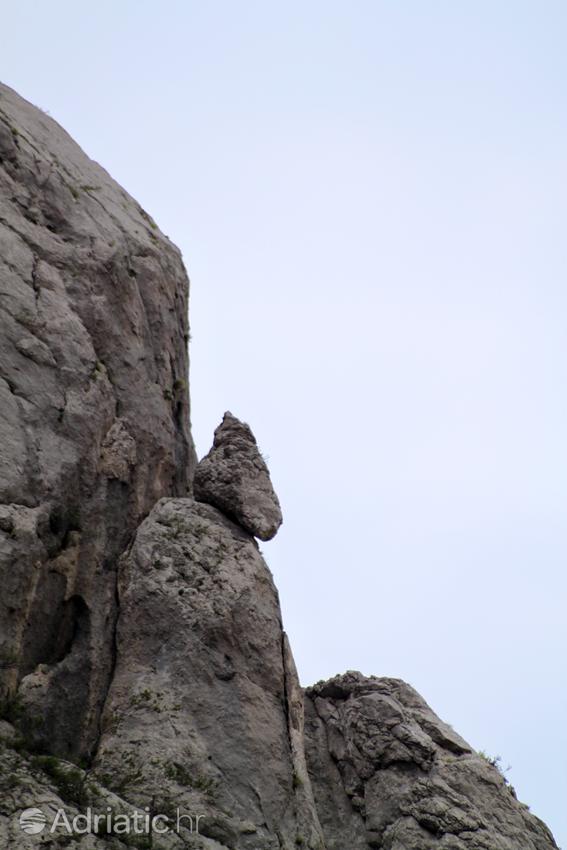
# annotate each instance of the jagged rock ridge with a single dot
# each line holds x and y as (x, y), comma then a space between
(140, 628)
(388, 773)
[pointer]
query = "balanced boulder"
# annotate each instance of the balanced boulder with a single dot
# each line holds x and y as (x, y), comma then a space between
(235, 479)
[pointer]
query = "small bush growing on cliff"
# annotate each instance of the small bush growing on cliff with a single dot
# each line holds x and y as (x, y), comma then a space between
(495, 761)
(69, 781)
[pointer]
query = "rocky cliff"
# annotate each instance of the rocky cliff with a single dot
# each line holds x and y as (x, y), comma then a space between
(146, 680)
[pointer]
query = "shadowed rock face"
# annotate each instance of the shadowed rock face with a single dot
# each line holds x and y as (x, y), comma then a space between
(94, 414)
(234, 477)
(145, 632)
(388, 773)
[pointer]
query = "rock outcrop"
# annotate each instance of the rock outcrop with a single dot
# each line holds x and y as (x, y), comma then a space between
(388, 773)
(144, 670)
(94, 424)
(234, 478)
(205, 706)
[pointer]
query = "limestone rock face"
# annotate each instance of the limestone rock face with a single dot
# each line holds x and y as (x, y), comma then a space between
(62, 792)
(234, 478)
(143, 663)
(387, 773)
(93, 414)
(205, 709)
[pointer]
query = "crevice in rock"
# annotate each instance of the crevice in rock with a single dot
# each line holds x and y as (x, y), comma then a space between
(13, 389)
(35, 282)
(286, 685)
(113, 646)
(63, 519)
(50, 639)
(74, 621)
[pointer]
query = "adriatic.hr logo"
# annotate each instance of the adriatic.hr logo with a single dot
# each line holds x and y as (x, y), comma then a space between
(34, 821)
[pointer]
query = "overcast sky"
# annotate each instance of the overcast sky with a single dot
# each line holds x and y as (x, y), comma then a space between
(371, 201)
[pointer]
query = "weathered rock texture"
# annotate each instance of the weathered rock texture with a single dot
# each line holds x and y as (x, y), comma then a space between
(94, 414)
(144, 633)
(205, 709)
(234, 477)
(52, 785)
(387, 773)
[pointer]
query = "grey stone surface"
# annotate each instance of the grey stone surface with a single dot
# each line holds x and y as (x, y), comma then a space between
(388, 773)
(62, 791)
(234, 478)
(205, 708)
(94, 413)
(142, 635)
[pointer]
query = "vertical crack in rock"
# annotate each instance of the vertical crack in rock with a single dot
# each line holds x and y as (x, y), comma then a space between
(112, 669)
(309, 832)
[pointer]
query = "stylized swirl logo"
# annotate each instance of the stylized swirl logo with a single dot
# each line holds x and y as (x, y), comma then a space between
(32, 821)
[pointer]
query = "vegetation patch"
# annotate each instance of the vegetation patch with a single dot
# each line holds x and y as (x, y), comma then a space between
(69, 781)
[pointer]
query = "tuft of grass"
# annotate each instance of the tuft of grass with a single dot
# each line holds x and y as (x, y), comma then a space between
(140, 698)
(147, 218)
(496, 762)
(99, 369)
(178, 773)
(8, 658)
(69, 781)
(182, 775)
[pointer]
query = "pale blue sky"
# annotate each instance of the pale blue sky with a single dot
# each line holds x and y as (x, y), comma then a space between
(370, 198)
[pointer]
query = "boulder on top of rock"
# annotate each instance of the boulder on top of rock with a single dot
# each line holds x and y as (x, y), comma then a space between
(235, 479)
